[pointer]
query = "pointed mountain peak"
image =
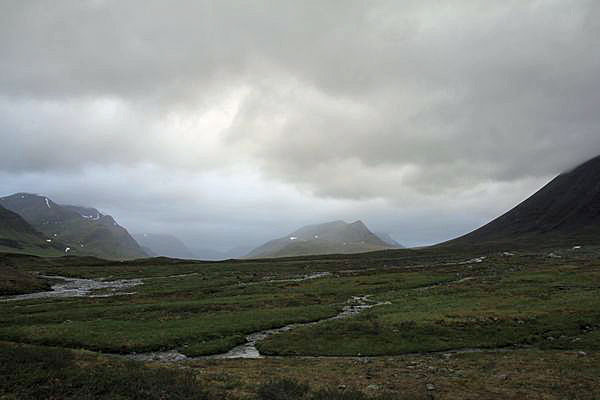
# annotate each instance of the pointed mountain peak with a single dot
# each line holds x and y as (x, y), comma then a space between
(327, 238)
(359, 223)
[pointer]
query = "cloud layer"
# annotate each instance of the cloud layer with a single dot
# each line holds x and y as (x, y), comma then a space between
(400, 112)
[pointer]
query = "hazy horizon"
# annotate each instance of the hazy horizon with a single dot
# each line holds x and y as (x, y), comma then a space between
(229, 124)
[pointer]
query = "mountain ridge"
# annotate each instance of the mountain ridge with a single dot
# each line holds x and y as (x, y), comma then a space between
(385, 237)
(566, 210)
(326, 238)
(84, 230)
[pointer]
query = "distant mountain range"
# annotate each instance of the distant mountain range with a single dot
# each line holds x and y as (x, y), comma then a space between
(388, 239)
(76, 230)
(157, 244)
(160, 244)
(203, 253)
(566, 211)
(328, 238)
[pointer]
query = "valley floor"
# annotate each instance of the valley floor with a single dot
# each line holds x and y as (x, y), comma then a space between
(449, 325)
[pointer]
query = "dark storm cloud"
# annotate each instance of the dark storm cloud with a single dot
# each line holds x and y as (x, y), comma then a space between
(496, 92)
(406, 108)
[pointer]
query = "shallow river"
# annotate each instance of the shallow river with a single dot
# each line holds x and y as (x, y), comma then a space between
(78, 287)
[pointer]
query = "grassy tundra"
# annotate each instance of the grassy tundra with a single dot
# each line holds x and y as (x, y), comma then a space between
(451, 325)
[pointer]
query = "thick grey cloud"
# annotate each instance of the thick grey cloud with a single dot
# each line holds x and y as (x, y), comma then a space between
(402, 113)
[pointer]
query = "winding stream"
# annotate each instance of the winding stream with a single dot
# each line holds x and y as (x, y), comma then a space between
(78, 287)
(355, 306)
(308, 277)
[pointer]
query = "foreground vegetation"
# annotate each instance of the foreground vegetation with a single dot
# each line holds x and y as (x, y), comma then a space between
(28, 372)
(536, 313)
(36, 372)
(13, 282)
(33, 372)
(546, 306)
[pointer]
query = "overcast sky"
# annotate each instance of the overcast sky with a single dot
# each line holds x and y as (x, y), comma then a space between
(232, 122)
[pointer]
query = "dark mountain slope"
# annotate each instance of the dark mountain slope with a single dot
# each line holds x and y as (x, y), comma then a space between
(85, 231)
(328, 238)
(17, 235)
(565, 211)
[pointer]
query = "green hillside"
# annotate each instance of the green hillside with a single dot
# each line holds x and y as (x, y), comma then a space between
(336, 237)
(84, 231)
(16, 235)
